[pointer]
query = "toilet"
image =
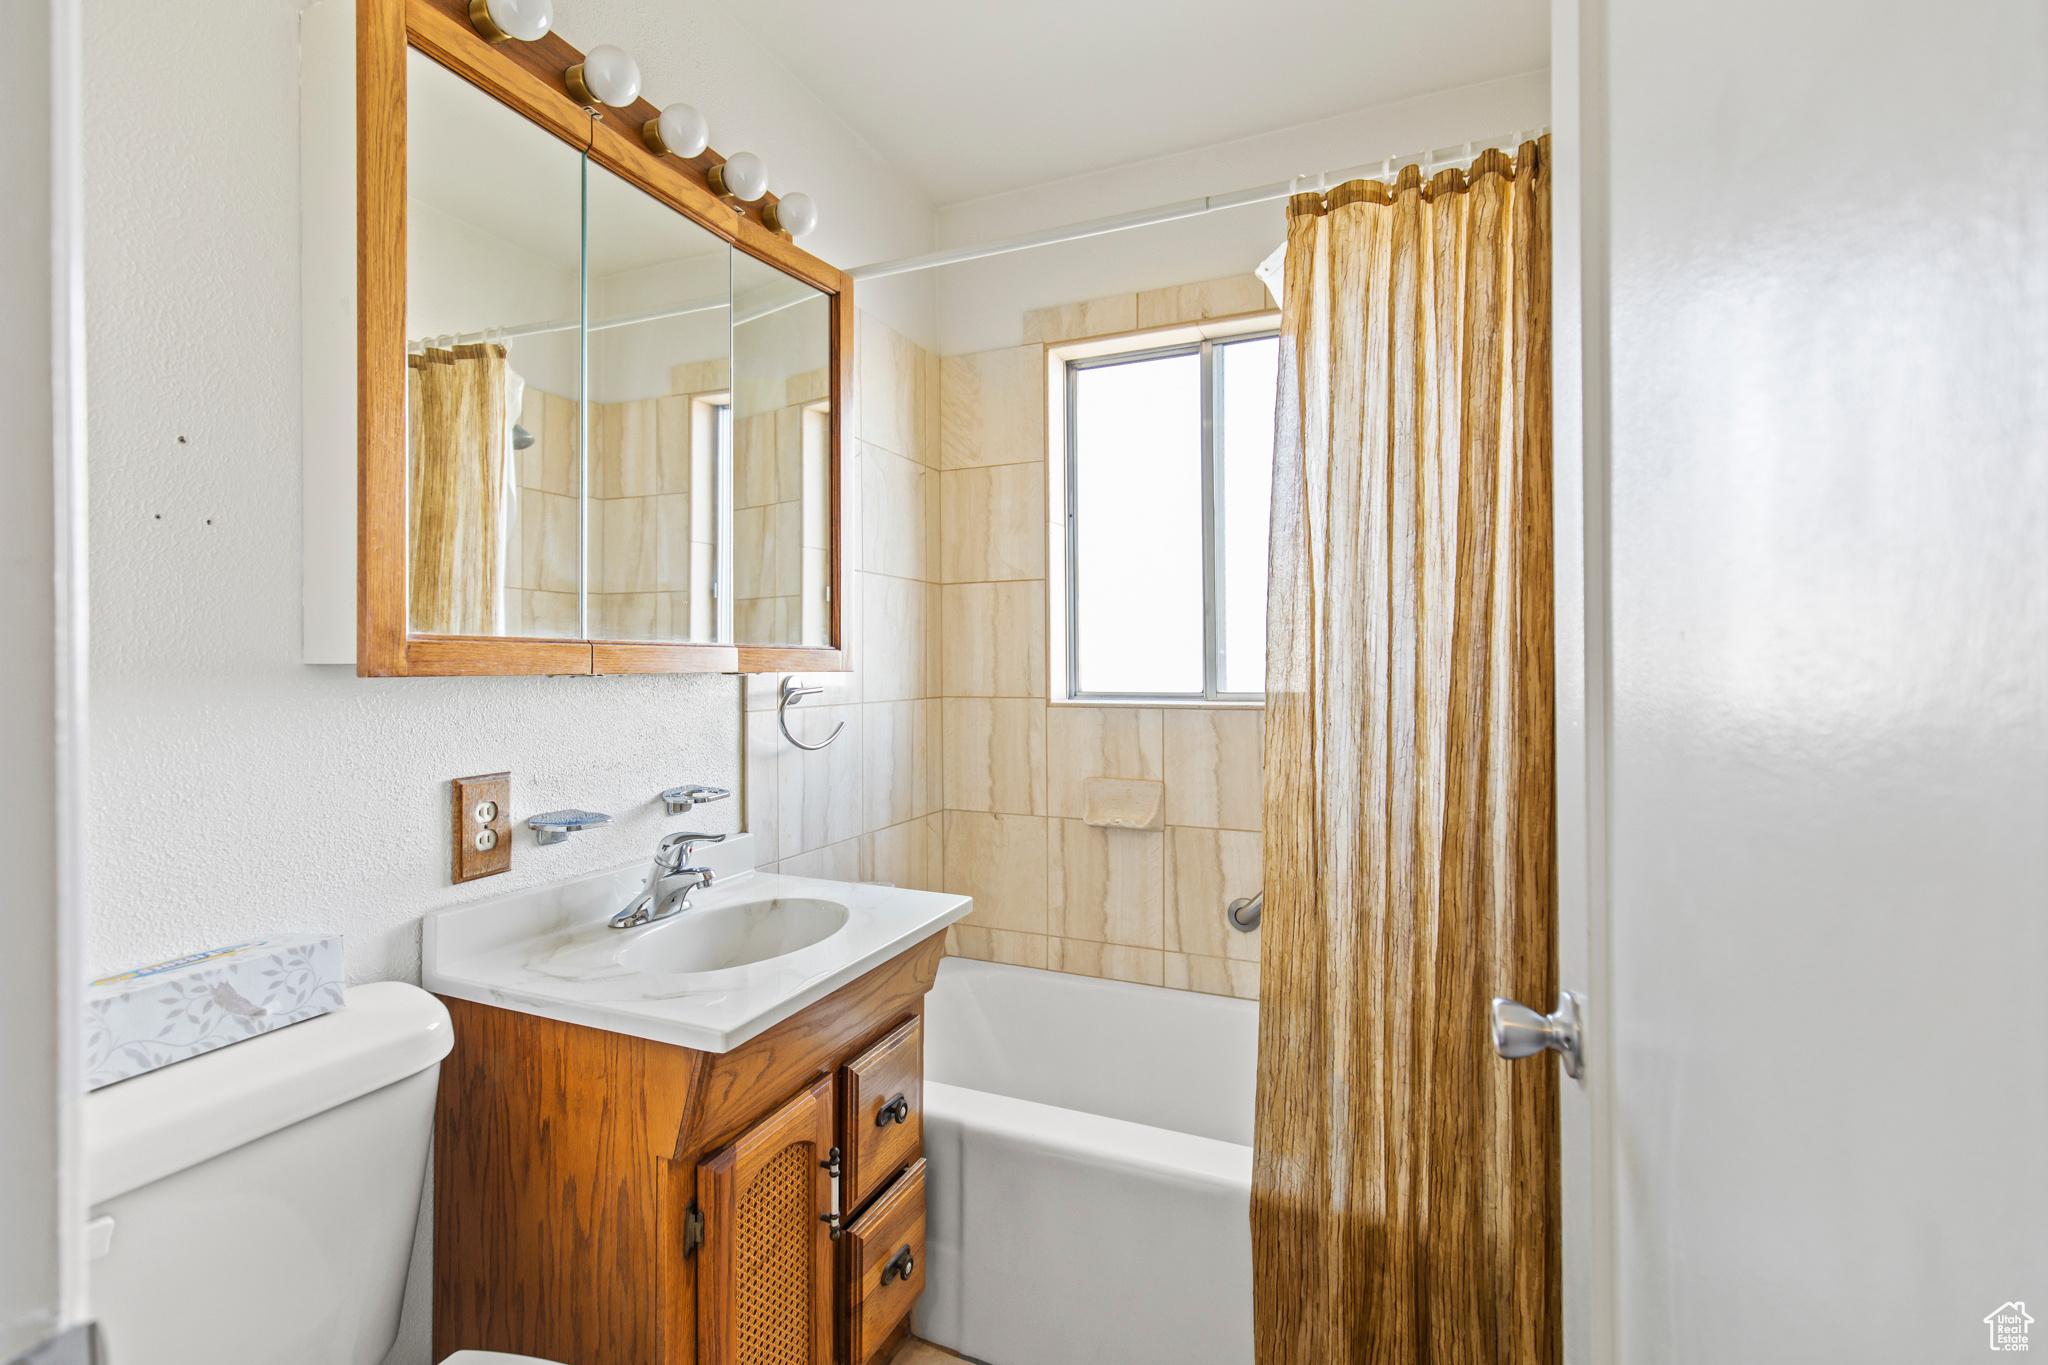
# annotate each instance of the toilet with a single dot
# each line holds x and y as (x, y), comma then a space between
(256, 1205)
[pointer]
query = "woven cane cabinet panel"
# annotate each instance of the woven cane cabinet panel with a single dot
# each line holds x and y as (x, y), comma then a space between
(764, 1283)
(773, 1287)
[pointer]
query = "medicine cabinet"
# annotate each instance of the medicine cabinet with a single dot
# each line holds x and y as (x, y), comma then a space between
(601, 407)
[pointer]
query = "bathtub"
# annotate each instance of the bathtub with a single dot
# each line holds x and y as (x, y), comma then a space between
(1088, 1193)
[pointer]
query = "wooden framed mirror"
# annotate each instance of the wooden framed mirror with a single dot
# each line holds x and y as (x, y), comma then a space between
(601, 408)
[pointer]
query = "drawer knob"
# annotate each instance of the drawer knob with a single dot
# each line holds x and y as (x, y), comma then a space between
(895, 1111)
(900, 1267)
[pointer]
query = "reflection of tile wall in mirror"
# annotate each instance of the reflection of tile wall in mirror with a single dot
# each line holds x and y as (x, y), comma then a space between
(781, 457)
(660, 346)
(492, 246)
(542, 575)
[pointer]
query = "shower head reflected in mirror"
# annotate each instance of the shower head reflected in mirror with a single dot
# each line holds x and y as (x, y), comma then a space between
(521, 437)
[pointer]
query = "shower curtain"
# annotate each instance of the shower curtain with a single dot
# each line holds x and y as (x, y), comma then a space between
(460, 407)
(1405, 1178)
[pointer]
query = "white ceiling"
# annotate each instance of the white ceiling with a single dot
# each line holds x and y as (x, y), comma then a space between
(970, 99)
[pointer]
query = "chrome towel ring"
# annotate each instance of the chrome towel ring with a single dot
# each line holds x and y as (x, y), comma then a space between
(792, 691)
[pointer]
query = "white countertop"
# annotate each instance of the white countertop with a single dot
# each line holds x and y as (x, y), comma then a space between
(548, 951)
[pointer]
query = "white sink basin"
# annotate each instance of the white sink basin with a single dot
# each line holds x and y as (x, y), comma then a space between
(712, 939)
(752, 949)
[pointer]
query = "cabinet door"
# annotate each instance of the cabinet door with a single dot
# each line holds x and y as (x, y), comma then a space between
(884, 1112)
(764, 1274)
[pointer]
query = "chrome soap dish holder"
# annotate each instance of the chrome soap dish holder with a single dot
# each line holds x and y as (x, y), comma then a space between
(558, 825)
(681, 800)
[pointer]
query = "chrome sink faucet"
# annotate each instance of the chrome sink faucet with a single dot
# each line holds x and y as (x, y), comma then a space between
(669, 883)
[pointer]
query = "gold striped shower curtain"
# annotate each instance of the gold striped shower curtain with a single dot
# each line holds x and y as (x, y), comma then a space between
(1405, 1186)
(458, 488)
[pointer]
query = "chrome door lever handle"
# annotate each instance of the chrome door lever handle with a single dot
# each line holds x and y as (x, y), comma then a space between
(1519, 1031)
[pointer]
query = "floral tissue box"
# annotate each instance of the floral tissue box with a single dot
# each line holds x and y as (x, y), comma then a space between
(138, 1021)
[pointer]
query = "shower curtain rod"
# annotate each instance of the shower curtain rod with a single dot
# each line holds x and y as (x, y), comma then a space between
(676, 310)
(1385, 169)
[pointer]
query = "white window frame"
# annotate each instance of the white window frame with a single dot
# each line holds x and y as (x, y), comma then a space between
(1062, 362)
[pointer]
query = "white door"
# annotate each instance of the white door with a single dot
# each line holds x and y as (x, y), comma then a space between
(42, 616)
(1806, 772)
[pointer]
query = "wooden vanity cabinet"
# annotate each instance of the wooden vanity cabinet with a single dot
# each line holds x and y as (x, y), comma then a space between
(601, 1199)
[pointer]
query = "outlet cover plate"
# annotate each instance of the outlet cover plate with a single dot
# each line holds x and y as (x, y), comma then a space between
(474, 796)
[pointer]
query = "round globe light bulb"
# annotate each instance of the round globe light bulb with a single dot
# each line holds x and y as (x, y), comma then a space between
(743, 176)
(795, 214)
(681, 130)
(606, 75)
(526, 20)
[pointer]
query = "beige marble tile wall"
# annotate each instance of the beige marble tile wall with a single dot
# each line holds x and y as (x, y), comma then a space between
(774, 487)
(650, 544)
(868, 808)
(640, 518)
(540, 575)
(1050, 890)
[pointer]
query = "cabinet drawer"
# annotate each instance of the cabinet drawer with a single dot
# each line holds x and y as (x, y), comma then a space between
(882, 1116)
(882, 1245)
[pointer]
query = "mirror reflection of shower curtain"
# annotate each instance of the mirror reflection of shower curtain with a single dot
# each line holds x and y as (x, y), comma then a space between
(461, 403)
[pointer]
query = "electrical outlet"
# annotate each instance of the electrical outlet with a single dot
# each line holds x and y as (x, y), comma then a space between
(483, 826)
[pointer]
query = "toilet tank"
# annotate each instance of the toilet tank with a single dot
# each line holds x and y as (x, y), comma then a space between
(263, 1197)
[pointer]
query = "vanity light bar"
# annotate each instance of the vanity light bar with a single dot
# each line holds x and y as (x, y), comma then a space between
(609, 76)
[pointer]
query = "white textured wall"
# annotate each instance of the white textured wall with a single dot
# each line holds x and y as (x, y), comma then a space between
(981, 303)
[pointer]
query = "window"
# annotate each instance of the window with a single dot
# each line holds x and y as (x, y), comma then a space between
(1169, 472)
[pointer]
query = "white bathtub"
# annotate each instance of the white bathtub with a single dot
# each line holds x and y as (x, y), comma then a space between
(1089, 1186)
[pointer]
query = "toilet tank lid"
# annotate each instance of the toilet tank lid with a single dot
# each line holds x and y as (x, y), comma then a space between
(159, 1123)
